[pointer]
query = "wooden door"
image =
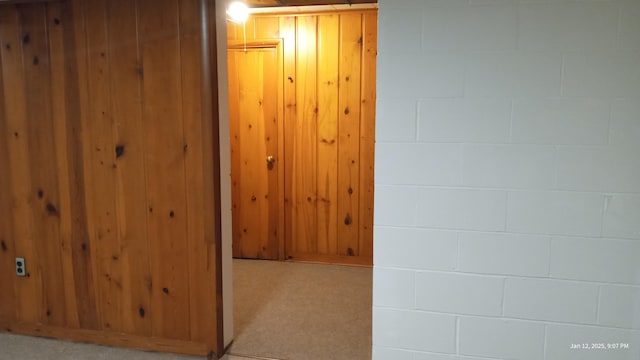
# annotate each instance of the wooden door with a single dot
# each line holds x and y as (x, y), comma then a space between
(253, 100)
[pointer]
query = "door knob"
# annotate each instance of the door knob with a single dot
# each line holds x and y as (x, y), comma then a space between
(270, 161)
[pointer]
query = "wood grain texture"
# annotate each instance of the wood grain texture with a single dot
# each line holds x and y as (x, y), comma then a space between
(267, 27)
(254, 115)
(368, 132)
(42, 160)
(7, 243)
(110, 166)
(194, 152)
(23, 199)
(288, 34)
(327, 137)
(162, 119)
(349, 133)
(80, 187)
(304, 153)
(59, 114)
(270, 115)
(103, 170)
(328, 126)
(130, 166)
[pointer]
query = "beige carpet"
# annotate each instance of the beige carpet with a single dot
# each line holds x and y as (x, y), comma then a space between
(296, 311)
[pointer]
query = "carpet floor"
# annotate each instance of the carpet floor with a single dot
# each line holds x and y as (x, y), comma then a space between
(298, 311)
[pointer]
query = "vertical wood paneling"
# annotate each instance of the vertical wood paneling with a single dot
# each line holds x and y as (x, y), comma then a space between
(109, 174)
(328, 131)
(288, 34)
(234, 128)
(190, 42)
(267, 27)
(80, 148)
(254, 104)
(162, 117)
(349, 133)
(250, 154)
(42, 160)
(304, 155)
(129, 147)
(328, 38)
(15, 103)
(271, 203)
(103, 169)
(367, 133)
(55, 28)
(249, 28)
(7, 244)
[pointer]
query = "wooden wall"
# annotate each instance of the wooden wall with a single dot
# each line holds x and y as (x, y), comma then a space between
(107, 181)
(329, 130)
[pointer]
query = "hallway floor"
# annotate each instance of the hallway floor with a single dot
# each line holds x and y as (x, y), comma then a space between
(298, 311)
(283, 310)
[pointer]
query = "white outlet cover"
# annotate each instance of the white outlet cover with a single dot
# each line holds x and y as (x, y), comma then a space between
(21, 267)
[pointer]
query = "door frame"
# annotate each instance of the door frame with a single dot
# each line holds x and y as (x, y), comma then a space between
(278, 45)
(220, 54)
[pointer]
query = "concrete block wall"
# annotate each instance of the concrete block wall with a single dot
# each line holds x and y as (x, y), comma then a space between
(507, 218)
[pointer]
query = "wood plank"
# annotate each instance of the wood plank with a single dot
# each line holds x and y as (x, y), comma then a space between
(288, 34)
(254, 112)
(349, 134)
(254, 115)
(328, 39)
(267, 27)
(271, 202)
(56, 29)
(125, 83)
(109, 338)
(333, 259)
(50, 132)
(304, 138)
(234, 129)
(282, 159)
(201, 294)
(42, 160)
(77, 105)
(248, 29)
(103, 169)
(251, 132)
(166, 188)
(249, 66)
(28, 289)
(367, 134)
(8, 309)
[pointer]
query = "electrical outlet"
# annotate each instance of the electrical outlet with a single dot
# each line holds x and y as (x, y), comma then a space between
(21, 267)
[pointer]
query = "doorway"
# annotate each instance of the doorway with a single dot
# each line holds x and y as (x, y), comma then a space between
(255, 112)
(302, 119)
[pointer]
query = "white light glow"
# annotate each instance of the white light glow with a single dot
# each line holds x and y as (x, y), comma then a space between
(238, 12)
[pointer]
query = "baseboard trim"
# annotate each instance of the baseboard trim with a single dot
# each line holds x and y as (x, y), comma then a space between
(117, 339)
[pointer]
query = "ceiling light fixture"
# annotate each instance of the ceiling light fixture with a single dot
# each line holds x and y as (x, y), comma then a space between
(238, 12)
